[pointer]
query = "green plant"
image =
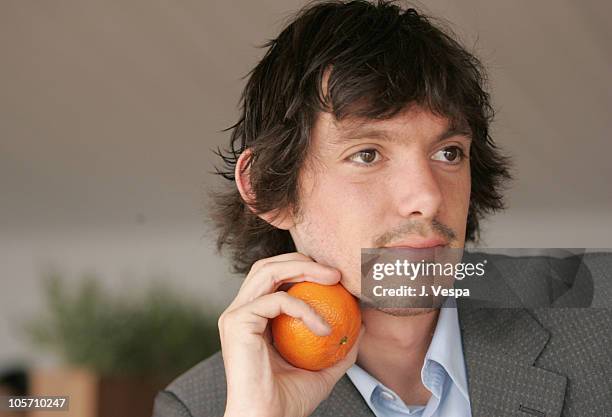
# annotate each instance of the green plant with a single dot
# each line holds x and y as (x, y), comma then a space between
(158, 334)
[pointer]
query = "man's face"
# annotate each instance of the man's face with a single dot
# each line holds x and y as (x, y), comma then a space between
(401, 182)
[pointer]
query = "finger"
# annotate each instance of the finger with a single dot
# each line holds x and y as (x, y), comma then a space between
(253, 317)
(270, 276)
(291, 256)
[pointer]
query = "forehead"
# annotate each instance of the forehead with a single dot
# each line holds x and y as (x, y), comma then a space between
(411, 124)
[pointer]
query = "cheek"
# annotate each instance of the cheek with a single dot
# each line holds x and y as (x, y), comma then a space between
(325, 221)
(457, 201)
(335, 226)
(343, 209)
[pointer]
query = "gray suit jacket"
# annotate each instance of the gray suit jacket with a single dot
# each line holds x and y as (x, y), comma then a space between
(542, 362)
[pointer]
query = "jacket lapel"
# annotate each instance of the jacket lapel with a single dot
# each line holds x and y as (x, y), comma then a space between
(500, 347)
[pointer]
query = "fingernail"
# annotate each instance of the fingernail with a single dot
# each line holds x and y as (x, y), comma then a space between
(326, 329)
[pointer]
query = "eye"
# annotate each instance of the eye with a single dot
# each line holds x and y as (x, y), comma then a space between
(365, 157)
(450, 154)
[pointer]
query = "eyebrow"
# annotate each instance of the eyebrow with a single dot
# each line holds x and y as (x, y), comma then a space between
(380, 134)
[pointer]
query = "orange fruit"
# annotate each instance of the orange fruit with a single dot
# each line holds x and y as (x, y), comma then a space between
(304, 349)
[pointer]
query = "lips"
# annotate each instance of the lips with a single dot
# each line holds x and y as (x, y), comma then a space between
(418, 243)
(416, 249)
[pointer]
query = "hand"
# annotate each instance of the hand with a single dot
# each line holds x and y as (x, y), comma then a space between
(259, 381)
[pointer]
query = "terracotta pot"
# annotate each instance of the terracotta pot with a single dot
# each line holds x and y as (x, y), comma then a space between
(91, 395)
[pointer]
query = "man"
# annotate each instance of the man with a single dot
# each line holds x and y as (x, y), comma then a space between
(366, 126)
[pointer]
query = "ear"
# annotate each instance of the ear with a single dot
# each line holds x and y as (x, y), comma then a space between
(279, 218)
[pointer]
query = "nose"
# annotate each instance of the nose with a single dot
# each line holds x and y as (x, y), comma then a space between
(416, 190)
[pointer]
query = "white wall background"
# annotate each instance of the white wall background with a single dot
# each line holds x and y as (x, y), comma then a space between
(109, 110)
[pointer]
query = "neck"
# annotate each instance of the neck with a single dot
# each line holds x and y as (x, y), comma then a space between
(393, 349)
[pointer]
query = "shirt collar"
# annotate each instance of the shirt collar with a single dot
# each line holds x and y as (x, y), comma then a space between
(446, 348)
(364, 382)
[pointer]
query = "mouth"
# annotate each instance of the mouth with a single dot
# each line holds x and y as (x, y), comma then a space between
(418, 249)
(430, 243)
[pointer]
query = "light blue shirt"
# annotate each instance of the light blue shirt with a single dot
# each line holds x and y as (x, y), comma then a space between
(443, 374)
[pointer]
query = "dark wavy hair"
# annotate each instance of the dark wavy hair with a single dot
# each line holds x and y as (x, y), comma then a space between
(379, 58)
